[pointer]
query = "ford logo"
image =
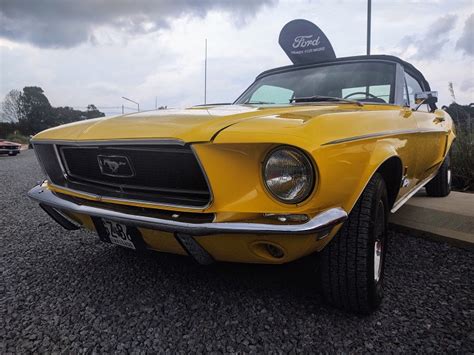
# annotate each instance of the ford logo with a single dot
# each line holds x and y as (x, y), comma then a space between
(306, 41)
(115, 165)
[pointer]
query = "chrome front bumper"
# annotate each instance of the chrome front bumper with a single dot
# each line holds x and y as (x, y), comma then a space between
(53, 203)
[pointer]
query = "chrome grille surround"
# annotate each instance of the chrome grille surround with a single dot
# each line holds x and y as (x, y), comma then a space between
(176, 194)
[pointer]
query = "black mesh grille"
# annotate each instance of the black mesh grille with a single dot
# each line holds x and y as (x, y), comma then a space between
(167, 174)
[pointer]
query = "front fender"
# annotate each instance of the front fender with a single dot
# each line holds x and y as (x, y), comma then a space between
(346, 168)
(343, 172)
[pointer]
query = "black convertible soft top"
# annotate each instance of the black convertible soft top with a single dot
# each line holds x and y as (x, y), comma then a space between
(409, 68)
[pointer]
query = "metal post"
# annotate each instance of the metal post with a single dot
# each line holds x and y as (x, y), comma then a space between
(136, 103)
(369, 19)
(122, 109)
(205, 72)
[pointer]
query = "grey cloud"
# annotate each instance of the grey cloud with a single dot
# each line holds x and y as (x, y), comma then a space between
(429, 45)
(466, 42)
(67, 23)
(467, 85)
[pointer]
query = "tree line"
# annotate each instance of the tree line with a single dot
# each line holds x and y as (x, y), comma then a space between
(29, 111)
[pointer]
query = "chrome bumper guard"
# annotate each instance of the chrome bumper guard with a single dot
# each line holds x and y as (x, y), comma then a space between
(321, 222)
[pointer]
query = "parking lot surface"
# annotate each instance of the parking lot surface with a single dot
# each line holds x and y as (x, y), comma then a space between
(66, 291)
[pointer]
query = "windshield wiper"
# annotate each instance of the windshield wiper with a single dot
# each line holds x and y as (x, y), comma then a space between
(259, 103)
(318, 98)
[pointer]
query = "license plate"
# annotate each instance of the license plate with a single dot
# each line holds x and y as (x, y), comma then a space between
(120, 234)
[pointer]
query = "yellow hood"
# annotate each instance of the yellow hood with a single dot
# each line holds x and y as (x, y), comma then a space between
(196, 124)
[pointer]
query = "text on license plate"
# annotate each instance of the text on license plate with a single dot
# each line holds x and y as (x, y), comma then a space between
(118, 234)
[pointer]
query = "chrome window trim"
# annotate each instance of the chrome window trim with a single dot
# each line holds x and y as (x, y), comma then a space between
(399, 85)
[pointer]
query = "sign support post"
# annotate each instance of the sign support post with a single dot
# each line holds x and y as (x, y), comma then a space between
(205, 72)
(369, 20)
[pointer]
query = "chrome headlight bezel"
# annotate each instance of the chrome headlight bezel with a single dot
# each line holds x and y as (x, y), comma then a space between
(308, 164)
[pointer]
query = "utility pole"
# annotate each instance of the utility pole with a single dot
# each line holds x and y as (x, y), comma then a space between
(369, 19)
(205, 72)
(156, 102)
(136, 103)
(122, 109)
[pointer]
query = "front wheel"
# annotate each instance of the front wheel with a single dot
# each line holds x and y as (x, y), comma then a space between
(352, 265)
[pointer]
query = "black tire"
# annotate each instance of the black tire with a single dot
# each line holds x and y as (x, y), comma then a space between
(440, 186)
(347, 274)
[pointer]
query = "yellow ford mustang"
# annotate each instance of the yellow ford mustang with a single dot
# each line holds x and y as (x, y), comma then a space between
(310, 158)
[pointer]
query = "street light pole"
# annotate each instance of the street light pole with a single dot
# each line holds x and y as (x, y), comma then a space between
(369, 19)
(136, 103)
(205, 72)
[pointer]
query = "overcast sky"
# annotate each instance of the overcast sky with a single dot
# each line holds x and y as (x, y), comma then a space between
(96, 51)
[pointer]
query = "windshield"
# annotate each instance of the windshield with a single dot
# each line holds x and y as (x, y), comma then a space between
(361, 81)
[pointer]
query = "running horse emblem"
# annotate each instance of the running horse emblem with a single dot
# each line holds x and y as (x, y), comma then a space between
(111, 165)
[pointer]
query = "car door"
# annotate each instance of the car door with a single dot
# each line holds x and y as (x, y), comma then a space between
(432, 132)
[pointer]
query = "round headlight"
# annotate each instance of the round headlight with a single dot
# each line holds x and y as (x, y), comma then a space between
(288, 174)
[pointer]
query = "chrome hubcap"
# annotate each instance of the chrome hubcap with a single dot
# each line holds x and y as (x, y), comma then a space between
(377, 260)
(379, 238)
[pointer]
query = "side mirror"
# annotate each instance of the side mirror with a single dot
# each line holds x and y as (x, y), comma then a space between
(426, 97)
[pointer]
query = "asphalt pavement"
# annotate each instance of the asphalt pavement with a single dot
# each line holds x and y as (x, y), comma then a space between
(67, 292)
